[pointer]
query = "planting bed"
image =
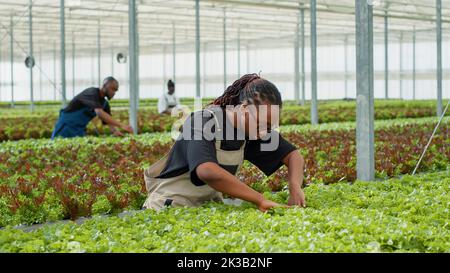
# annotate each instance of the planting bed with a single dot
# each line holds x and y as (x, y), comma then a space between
(410, 214)
(41, 180)
(21, 124)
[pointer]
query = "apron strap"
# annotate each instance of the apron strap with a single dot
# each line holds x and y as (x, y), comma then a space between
(219, 129)
(156, 169)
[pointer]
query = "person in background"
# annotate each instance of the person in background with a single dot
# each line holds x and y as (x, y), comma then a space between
(84, 107)
(168, 100)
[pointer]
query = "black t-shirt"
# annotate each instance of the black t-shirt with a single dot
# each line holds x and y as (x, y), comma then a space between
(187, 154)
(89, 98)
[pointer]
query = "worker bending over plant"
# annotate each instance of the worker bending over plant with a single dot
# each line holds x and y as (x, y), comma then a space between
(203, 163)
(90, 103)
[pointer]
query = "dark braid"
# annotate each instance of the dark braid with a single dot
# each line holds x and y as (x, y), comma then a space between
(251, 88)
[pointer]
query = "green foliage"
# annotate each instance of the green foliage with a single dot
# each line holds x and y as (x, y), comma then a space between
(42, 180)
(19, 124)
(410, 214)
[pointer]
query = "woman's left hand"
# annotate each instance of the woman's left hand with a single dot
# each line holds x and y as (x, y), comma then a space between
(297, 199)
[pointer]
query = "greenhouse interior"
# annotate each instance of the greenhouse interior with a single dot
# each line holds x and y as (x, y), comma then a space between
(99, 99)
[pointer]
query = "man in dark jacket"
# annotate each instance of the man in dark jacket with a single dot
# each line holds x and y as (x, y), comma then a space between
(90, 103)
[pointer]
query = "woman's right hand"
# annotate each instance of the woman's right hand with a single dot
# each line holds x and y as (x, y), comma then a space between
(265, 205)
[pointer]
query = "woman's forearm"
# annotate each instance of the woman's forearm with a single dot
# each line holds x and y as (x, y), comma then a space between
(222, 181)
(296, 165)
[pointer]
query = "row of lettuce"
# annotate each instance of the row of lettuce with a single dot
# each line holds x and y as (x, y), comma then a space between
(43, 180)
(17, 125)
(400, 215)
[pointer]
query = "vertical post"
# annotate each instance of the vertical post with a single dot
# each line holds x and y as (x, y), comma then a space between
(439, 55)
(40, 73)
(174, 54)
(63, 53)
(1, 79)
(297, 61)
(365, 100)
(73, 64)
(224, 49)
(414, 63)
(314, 110)
(401, 65)
(30, 52)
(346, 66)
(197, 50)
(134, 62)
(248, 57)
(128, 79)
(164, 68)
(54, 71)
(99, 57)
(204, 70)
(112, 61)
(302, 15)
(12, 60)
(93, 76)
(386, 56)
(138, 55)
(239, 52)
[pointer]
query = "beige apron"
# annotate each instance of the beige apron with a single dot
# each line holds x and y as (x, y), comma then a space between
(179, 191)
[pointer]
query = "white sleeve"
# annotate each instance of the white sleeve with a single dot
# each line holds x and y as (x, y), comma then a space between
(162, 105)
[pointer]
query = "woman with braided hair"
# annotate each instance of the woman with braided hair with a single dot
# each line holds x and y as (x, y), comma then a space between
(204, 161)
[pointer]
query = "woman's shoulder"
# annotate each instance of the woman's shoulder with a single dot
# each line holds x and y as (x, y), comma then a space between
(206, 121)
(204, 116)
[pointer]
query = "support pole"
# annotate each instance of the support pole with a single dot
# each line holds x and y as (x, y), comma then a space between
(134, 63)
(73, 65)
(224, 49)
(63, 53)
(197, 50)
(314, 110)
(112, 61)
(248, 58)
(174, 53)
(365, 91)
(204, 70)
(164, 68)
(30, 52)
(386, 56)
(99, 57)
(1, 79)
(12, 60)
(302, 15)
(439, 55)
(239, 52)
(297, 61)
(40, 73)
(346, 65)
(54, 71)
(414, 63)
(138, 55)
(401, 65)
(93, 73)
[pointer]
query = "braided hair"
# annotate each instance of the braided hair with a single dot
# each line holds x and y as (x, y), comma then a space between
(250, 88)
